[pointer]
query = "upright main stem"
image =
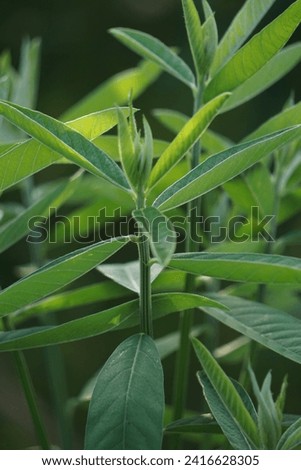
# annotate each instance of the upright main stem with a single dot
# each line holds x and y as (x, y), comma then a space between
(145, 299)
(186, 318)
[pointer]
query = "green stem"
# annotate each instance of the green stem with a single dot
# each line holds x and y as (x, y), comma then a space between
(30, 395)
(186, 318)
(145, 299)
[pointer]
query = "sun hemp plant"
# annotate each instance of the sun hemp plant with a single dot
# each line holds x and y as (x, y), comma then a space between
(127, 397)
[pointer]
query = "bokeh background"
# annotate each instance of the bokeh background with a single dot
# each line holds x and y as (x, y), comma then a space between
(77, 55)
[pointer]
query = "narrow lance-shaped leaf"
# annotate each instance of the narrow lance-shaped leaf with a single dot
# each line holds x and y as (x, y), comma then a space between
(222, 414)
(115, 91)
(222, 167)
(279, 66)
(123, 316)
(127, 405)
(189, 134)
(26, 158)
(227, 393)
(268, 326)
(291, 438)
(17, 228)
(256, 53)
(65, 141)
(195, 35)
(160, 231)
(247, 267)
(246, 20)
(151, 48)
(57, 274)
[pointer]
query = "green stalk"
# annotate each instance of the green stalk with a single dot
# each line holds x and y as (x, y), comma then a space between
(30, 395)
(145, 299)
(187, 317)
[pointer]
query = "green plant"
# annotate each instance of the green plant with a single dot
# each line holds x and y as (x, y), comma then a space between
(260, 172)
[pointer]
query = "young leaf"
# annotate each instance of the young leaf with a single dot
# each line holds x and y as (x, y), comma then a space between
(57, 274)
(151, 48)
(195, 35)
(160, 231)
(210, 35)
(239, 30)
(65, 141)
(116, 90)
(126, 409)
(17, 228)
(268, 326)
(128, 274)
(247, 267)
(269, 424)
(126, 147)
(291, 438)
(227, 394)
(189, 134)
(279, 66)
(255, 54)
(197, 424)
(232, 430)
(123, 316)
(222, 167)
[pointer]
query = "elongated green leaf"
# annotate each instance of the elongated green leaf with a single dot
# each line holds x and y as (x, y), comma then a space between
(65, 141)
(256, 53)
(288, 117)
(196, 424)
(128, 274)
(17, 228)
(57, 274)
(291, 438)
(227, 393)
(116, 90)
(271, 72)
(160, 231)
(269, 326)
(189, 134)
(109, 144)
(239, 30)
(195, 35)
(247, 267)
(82, 296)
(26, 158)
(120, 317)
(222, 167)
(175, 121)
(126, 409)
(232, 430)
(151, 48)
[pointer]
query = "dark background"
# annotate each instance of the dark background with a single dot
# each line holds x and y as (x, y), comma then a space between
(77, 55)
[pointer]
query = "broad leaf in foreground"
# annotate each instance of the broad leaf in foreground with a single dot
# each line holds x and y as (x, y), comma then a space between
(65, 141)
(268, 326)
(222, 167)
(246, 267)
(57, 274)
(227, 393)
(127, 404)
(123, 316)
